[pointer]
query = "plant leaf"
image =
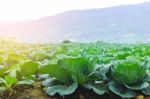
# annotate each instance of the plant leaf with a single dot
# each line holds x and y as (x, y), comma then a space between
(29, 68)
(77, 68)
(10, 81)
(97, 88)
(2, 89)
(61, 89)
(121, 90)
(138, 86)
(26, 82)
(128, 71)
(146, 91)
(57, 72)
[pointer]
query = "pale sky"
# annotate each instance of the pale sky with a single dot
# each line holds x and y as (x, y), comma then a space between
(22, 10)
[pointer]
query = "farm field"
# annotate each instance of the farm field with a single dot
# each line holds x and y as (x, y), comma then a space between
(70, 70)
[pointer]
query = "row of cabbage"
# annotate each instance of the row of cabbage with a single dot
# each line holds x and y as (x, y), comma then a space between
(63, 68)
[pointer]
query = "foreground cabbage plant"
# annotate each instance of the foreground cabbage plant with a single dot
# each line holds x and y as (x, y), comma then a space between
(127, 77)
(70, 73)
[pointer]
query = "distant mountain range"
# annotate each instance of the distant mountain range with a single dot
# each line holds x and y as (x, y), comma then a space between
(128, 23)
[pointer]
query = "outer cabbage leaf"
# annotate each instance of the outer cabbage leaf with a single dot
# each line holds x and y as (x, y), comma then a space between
(138, 86)
(57, 72)
(29, 68)
(146, 91)
(99, 89)
(121, 90)
(62, 89)
(78, 68)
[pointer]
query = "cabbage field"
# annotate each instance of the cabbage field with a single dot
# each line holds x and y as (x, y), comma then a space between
(71, 70)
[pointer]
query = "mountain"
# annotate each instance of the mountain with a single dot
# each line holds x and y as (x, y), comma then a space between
(128, 23)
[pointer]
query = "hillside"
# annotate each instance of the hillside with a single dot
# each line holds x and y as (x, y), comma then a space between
(129, 23)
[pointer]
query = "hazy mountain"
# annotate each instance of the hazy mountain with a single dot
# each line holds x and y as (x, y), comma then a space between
(130, 23)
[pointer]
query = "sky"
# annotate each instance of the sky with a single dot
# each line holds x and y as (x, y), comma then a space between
(23, 10)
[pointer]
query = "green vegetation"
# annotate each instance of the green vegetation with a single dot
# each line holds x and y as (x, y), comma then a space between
(62, 69)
